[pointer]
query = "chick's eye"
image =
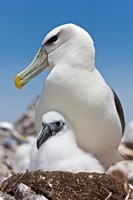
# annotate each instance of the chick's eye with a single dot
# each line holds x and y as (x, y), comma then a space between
(58, 123)
(52, 39)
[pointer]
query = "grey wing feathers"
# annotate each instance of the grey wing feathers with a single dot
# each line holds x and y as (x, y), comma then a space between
(120, 111)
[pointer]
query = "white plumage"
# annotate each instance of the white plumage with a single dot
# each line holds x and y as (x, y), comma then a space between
(22, 154)
(60, 151)
(77, 90)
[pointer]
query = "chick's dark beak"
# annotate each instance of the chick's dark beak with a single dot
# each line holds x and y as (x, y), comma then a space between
(46, 132)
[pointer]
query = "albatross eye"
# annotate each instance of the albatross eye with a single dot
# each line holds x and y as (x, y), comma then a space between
(58, 123)
(52, 39)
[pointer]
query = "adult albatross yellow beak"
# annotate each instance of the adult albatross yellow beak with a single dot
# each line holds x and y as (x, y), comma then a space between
(39, 63)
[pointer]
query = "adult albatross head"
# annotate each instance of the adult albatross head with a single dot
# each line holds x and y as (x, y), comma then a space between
(69, 44)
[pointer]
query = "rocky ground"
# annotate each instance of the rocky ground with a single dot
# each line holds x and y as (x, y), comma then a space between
(58, 185)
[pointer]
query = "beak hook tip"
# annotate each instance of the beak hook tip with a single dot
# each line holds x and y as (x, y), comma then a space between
(18, 81)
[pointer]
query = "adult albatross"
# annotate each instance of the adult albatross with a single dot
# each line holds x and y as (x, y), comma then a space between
(77, 90)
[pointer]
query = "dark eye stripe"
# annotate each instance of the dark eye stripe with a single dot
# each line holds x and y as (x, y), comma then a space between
(52, 39)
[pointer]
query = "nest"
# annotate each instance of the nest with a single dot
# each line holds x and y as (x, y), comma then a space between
(69, 186)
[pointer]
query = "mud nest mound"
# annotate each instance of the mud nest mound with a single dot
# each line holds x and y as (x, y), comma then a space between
(69, 186)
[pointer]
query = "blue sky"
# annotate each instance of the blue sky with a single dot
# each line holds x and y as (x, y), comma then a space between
(23, 25)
